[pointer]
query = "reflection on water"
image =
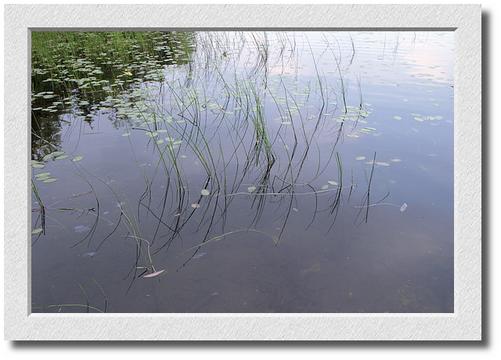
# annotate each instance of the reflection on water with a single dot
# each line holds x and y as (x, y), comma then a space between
(243, 172)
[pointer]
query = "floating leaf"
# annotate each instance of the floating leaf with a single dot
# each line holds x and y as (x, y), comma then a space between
(43, 177)
(332, 182)
(396, 117)
(382, 163)
(205, 192)
(37, 165)
(77, 158)
(51, 180)
(251, 189)
(154, 274)
(36, 231)
(53, 155)
(325, 187)
(60, 157)
(360, 158)
(395, 160)
(195, 205)
(403, 207)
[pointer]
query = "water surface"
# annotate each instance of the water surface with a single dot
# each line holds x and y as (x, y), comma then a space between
(244, 172)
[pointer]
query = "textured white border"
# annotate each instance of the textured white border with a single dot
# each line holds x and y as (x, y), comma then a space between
(463, 324)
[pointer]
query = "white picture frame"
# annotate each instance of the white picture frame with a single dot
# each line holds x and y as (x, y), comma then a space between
(464, 324)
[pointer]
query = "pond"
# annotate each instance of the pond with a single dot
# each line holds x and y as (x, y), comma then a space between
(242, 172)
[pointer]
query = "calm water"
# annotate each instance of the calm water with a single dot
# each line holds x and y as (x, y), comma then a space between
(247, 172)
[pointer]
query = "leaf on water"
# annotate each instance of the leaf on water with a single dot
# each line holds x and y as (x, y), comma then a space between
(360, 158)
(251, 189)
(36, 231)
(195, 205)
(41, 175)
(60, 157)
(205, 192)
(37, 165)
(77, 158)
(403, 207)
(295, 209)
(53, 155)
(396, 117)
(154, 274)
(382, 163)
(51, 180)
(332, 182)
(395, 160)
(325, 187)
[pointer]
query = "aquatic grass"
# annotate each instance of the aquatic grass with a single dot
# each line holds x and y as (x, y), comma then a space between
(41, 206)
(366, 204)
(225, 132)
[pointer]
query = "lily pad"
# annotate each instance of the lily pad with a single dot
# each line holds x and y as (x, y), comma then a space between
(37, 165)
